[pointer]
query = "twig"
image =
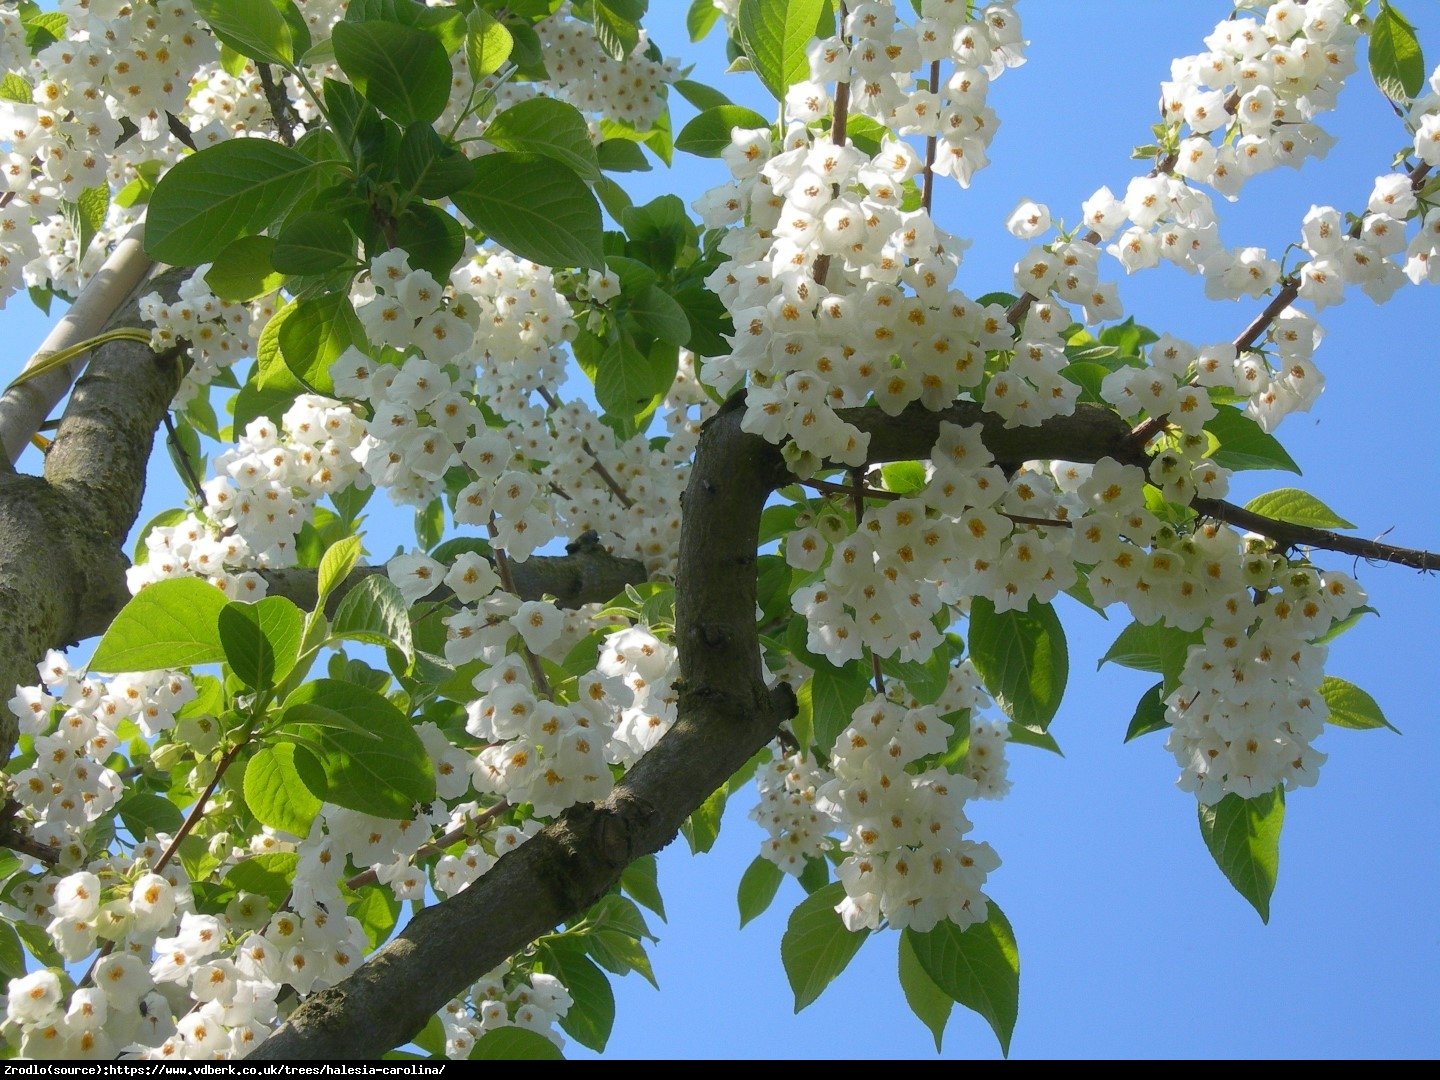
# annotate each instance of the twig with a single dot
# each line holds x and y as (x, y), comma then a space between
(281, 107)
(183, 458)
(931, 142)
(1289, 535)
(369, 877)
(596, 466)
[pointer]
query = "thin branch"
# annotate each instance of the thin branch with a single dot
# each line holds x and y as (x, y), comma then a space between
(460, 832)
(931, 142)
(281, 107)
(191, 480)
(596, 466)
(1289, 535)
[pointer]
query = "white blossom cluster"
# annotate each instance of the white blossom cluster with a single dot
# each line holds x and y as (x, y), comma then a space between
(535, 1002)
(1249, 703)
(264, 492)
(75, 721)
(216, 332)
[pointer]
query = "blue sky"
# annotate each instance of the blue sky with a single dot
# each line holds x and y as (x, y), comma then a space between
(1132, 943)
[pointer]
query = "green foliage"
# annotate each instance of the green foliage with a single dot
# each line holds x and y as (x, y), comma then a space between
(709, 133)
(1351, 707)
(1022, 658)
(402, 70)
(774, 33)
(758, 886)
(226, 191)
(1298, 508)
(816, 947)
(170, 624)
(979, 967)
(537, 207)
(271, 31)
(1396, 62)
(1244, 837)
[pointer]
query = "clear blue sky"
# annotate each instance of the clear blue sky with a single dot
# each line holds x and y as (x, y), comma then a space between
(1132, 943)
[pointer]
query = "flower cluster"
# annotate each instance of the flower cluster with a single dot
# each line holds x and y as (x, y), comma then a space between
(504, 998)
(216, 332)
(1249, 702)
(264, 492)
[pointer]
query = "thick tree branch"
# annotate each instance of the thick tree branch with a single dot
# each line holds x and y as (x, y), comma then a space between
(24, 408)
(62, 570)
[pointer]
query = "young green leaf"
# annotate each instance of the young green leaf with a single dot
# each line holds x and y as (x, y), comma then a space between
(274, 791)
(1021, 657)
(243, 272)
(375, 612)
(314, 334)
(488, 43)
(1298, 508)
(816, 947)
(1244, 837)
(1156, 648)
(1396, 63)
(514, 1044)
(698, 20)
(258, 29)
(709, 133)
(170, 624)
(1149, 713)
(316, 242)
(224, 192)
(774, 34)
(758, 886)
(930, 1004)
(261, 640)
(1243, 445)
(979, 967)
(339, 559)
(537, 208)
(146, 815)
(1351, 707)
(640, 879)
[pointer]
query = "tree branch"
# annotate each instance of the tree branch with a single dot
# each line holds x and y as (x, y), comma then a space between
(24, 408)
(1289, 535)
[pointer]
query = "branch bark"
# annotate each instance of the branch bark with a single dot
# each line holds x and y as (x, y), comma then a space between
(726, 714)
(62, 570)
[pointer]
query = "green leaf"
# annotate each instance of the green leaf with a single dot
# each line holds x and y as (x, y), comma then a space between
(258, 29)
(641, 880)
(261, 640)
(243, 272)
(316, 242)
(226, 191)
(429, 166)
(903, 477)
(835, 694)
(514, 1044)
(758, 886)
(660, 315)
(617, 25)
(627, 381)
(700, 18)
(1298, 508)
(537, 208)
(170, 624)
(1022, 659)
(386, 776)
(816, 947)
(339, 559)
(699, 94)
(86, 215)
(375, 612)
(38, 942)
(618, 155)
(1351, 707)
(1243, 445)
(979, 967)
(592, 1016)
(1244, 837)
(269, 875)
(487, 44)
(1149, 713)
(433, 239)
(702, 827)
(275, 793)
(315, 332)
(146, 815)
(708, 320)
(709, 133)
(546, 126)
(15, 87)
(402, 70)
(926, 1000)
(1156, 648)
(774, 34)
(12, 952)
(1396, 62)
(1029, 735)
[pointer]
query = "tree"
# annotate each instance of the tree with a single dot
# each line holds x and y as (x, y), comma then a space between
(345, 209)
